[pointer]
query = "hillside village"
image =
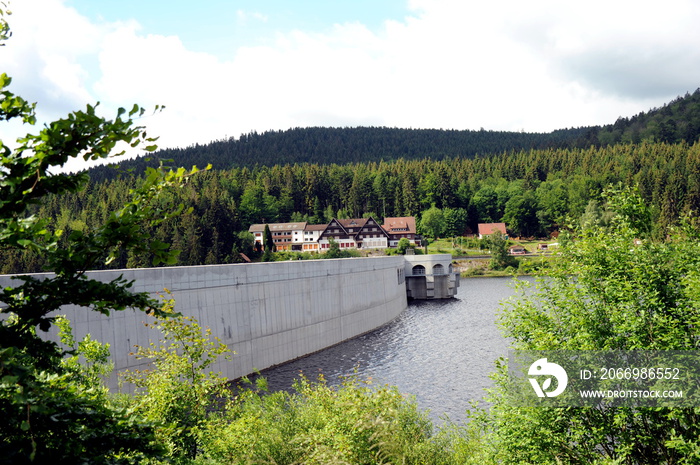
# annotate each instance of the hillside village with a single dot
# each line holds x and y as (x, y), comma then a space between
(354, 233)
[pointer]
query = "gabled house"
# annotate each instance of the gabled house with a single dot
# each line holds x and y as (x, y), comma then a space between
(486, 229)
(354, 233)
(517, 250)
(400, 227)
(336, 230)
(371, 235)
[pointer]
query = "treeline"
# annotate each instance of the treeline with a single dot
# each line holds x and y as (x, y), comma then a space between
(677, 121)
(321, 145)
(534, 192)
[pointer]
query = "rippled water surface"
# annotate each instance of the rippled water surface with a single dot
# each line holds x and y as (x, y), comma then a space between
(439, 351)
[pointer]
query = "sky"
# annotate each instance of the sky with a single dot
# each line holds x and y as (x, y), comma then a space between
(223, 68)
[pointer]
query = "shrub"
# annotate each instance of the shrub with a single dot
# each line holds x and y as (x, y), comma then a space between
(355, 423)
(605, 291)
(178, 392)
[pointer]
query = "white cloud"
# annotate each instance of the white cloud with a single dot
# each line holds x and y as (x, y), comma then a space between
(508, 65)
(45, 52)
(247, 16)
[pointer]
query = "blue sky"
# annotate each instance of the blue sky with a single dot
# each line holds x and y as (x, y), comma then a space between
(219, 26)
(223, 68)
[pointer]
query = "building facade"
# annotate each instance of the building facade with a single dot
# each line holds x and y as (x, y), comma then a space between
(354, 233)
(400, 227)
(285, 236)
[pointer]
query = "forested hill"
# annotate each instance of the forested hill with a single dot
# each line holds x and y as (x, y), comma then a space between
(325, 146)
(677, 121)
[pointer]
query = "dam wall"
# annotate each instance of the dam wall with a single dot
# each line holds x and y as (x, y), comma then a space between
(268, 313)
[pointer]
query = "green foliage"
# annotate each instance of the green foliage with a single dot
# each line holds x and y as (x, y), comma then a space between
(520, 214)
(355, 423)
(52, 410)
(368, 145)
(432, 222)
(334, 251)
(64, 415)
(498, 246)
(595, 216)
(178, 391)
(270, 248)
(402, 246)
(542, 190)
(607, 290)
(676, 121)
(95, 363)
(456, 220)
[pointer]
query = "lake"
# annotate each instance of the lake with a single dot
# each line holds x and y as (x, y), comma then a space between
(439, 351)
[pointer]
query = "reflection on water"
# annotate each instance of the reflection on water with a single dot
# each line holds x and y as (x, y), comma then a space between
(439, 351)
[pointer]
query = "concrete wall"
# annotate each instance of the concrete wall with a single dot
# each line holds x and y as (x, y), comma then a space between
(268, 313)
(430, 276)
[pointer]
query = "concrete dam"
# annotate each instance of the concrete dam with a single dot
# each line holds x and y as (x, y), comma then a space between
(267, 313)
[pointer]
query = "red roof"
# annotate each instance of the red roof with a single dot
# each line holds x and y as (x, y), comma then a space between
(486, 229)
(400, 225)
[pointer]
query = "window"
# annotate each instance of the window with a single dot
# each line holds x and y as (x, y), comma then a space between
(418, 270)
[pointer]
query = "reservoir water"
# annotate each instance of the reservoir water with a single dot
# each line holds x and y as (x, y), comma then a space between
(439, 351)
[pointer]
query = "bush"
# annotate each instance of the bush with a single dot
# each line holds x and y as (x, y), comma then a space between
(178, 392)
(473, 271)
(356, 423)
(605, 291)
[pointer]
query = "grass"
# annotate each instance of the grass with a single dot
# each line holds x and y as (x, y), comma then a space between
(460, 248)
(471, 246)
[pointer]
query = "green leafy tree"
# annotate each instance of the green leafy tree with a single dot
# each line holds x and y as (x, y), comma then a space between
(485, 204)
(47, 416)
(552, 200)
(244, 244)
(177, 392)
(432, 222)
(521, 214)
(328, 214)
(333, 249)
(455, 221)
(607, 291)
(403, 245)
(498, 246)
(594, 216)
